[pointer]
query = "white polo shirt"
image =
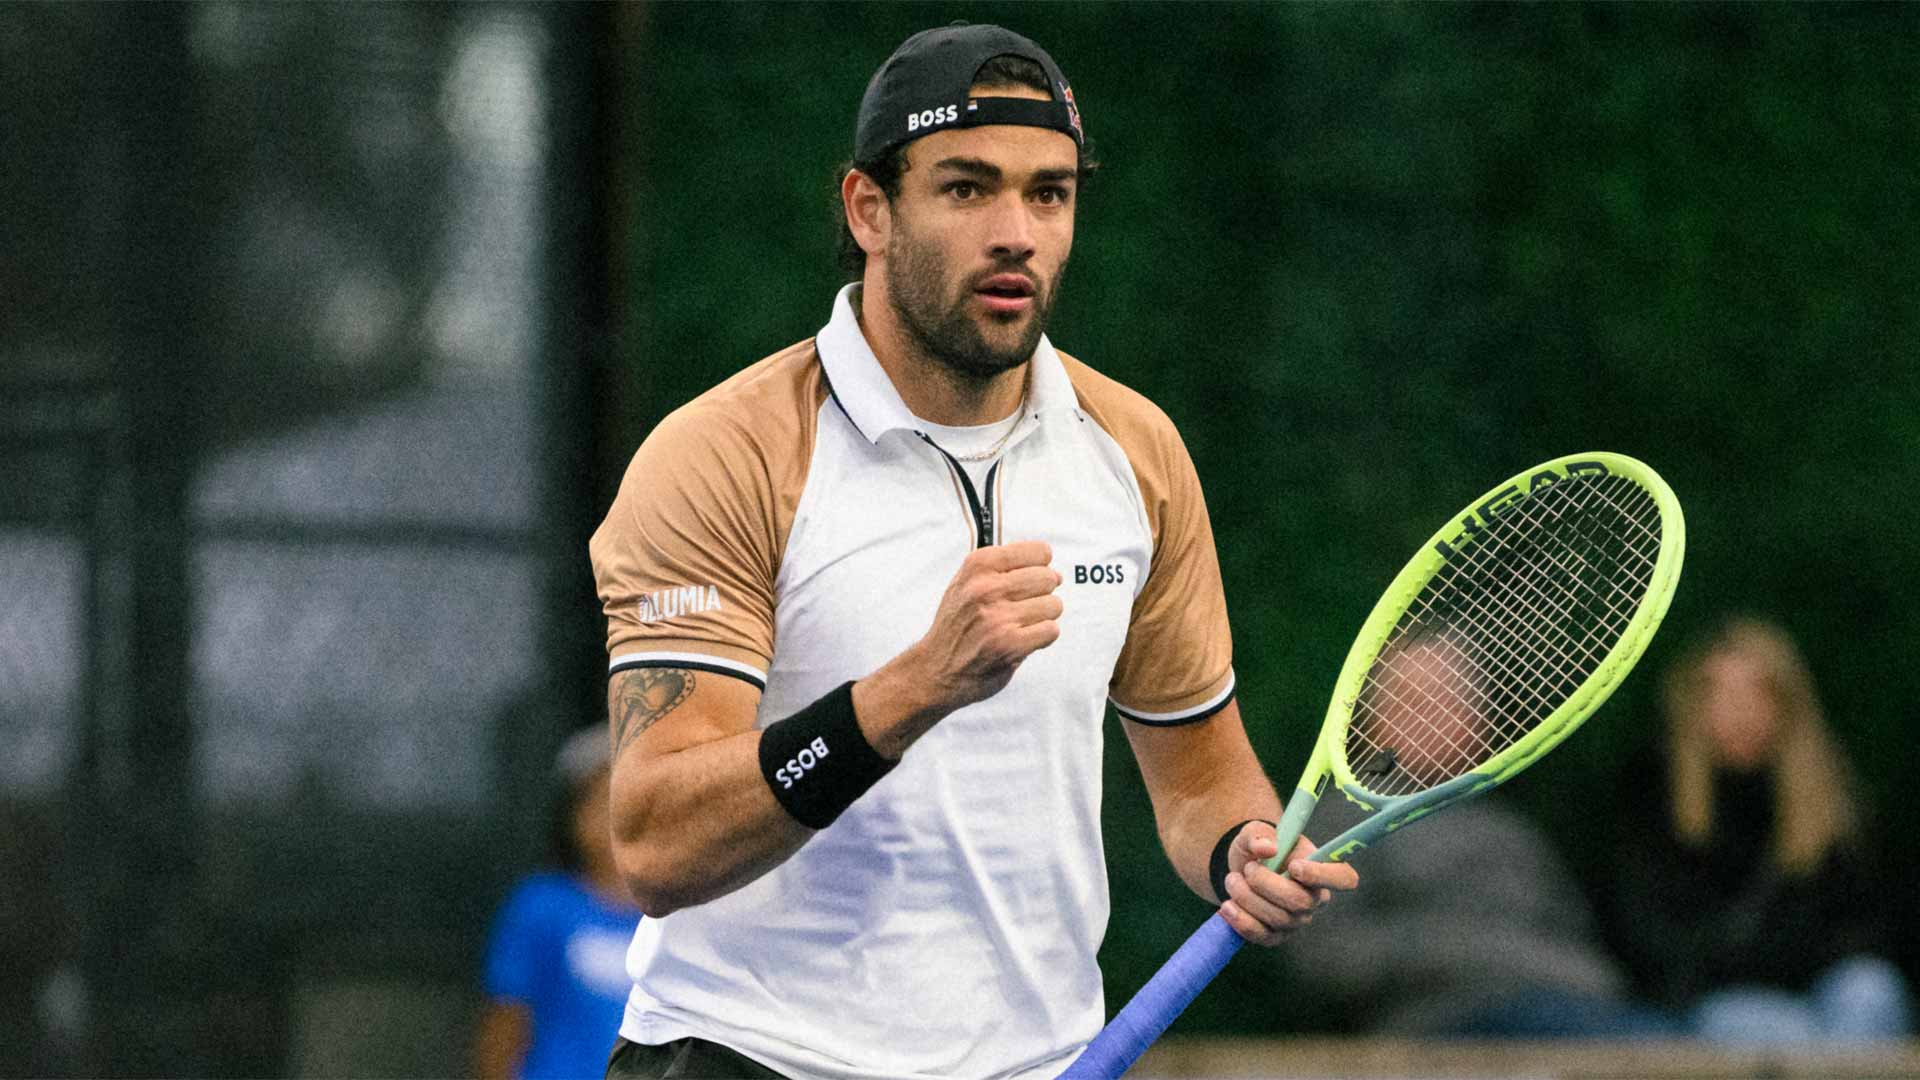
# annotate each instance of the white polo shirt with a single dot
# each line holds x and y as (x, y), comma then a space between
(796, 527)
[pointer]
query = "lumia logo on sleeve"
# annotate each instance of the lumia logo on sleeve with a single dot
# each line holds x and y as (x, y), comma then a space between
(1107, 574)
(685, 600)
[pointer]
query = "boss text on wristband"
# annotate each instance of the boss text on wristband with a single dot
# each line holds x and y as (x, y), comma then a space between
(818, 761)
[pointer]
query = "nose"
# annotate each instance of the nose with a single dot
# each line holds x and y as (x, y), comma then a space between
(1010, 236)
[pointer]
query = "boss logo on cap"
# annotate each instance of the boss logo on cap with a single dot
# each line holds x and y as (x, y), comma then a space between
(946, 114)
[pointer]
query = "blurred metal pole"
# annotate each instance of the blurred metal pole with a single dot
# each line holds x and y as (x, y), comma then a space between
(580, 272)
(137, 768)
(573, 346)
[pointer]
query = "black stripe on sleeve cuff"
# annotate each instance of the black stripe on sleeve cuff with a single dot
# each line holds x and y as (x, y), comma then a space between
(1178, 721)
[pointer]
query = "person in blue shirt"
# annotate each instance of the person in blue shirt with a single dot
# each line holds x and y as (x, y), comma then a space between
(555, 980)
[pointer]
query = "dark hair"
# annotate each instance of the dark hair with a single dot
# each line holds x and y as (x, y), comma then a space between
(999, 73)
(566, 797)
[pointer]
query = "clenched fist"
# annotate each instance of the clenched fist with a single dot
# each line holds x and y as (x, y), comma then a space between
(999, 609)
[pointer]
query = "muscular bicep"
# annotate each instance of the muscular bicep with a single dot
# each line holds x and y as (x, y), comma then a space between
(655, 711)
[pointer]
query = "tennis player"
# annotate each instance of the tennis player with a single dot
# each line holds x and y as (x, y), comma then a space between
(867, 602)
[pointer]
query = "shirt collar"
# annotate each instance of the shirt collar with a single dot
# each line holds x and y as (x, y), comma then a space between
(867, 395)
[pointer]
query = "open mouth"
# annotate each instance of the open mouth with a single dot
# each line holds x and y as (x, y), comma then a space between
(1006, 292)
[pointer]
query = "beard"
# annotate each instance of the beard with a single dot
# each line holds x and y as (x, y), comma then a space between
(936, 316)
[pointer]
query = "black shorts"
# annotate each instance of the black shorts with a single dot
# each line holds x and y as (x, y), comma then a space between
(695, 1059)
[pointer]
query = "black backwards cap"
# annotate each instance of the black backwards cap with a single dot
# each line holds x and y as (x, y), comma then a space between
(922, 88)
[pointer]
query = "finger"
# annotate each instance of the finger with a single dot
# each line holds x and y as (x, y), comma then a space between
(1253, 841)
(1013, 556)
(1033, 637)
(1262, 847)
(1338, 877)
(1246, 925)
(1027, 582)
(1264, 910)
(1263, 830)
(1036, 610)
(1281, 891)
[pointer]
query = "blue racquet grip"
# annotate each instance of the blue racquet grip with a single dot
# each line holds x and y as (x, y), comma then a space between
(1178, 982)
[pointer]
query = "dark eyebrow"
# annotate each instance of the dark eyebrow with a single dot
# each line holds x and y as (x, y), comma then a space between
(988, 171)
(970, 166)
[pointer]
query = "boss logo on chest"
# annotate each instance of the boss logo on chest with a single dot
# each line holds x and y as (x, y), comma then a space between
(1100, 574)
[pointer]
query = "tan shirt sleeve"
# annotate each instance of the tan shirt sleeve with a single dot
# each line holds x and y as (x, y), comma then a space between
(685, 561)
(1177, 664)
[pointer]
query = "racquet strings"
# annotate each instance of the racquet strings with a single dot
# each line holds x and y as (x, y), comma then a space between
(1512, 624)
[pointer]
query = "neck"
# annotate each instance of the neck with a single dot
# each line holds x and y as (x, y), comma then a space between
(931, 389)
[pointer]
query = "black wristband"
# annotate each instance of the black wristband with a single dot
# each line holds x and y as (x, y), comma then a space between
(818, 761)
(1217, 868)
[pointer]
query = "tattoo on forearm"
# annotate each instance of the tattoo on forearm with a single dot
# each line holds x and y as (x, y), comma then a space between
(643, 697)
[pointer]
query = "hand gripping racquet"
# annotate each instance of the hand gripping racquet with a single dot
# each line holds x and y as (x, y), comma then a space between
(1510, 627)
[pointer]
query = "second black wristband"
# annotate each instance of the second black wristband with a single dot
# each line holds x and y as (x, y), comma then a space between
(1217, 868)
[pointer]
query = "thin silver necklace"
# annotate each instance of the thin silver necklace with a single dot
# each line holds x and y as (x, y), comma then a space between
(998, 444)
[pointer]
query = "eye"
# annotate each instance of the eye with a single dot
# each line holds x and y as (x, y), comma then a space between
(1053, 195)
(962, 189)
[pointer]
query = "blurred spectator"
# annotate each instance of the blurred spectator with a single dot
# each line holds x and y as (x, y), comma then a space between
(1741, 890)
(556, 980)
(1509, 949)
(1432, 949)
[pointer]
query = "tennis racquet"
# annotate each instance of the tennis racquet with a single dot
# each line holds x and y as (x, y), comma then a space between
(1510, 627)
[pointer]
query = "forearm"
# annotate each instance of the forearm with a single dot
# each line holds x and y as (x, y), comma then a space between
(1194, 820)
(501, 1042)
(1205, 782)
(705, 819)
(1203, 778)
(896, 706)
(696, 824)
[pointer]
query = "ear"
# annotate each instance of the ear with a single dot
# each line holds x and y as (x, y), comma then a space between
(869, 213)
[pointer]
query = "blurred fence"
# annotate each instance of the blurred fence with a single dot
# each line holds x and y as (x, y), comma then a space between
(300, 307)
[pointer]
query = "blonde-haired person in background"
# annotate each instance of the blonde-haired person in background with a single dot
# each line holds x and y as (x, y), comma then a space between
(1742, 889)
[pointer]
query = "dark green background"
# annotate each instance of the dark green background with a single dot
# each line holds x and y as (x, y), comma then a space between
(1373, 259)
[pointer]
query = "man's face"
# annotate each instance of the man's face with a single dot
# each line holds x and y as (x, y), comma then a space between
(1426, 703)
(982, 229)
